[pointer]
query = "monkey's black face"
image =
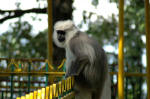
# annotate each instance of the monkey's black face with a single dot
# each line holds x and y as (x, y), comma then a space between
(61, 35)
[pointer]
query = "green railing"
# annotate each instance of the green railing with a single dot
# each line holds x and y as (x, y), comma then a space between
(21, 76)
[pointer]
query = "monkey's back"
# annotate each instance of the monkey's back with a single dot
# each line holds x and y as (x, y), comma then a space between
(94, 73)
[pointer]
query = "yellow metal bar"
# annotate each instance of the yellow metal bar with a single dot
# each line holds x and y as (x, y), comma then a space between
(59, 74)
(147, 45)
(121, 53)
(54, 90)
(60, 87)
(51, 92)
(67, 84)
(23, 97)
(43, 93)
(18, 98)
(63, 85)
(32, 73)
(70, 83)
(50, 30)
(27, 96)
(31, 95)
(47, 92)
(35, 95)
(39, 94)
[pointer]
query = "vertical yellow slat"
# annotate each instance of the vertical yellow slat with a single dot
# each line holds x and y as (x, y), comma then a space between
(51, 92)
(43, 93)
(47, 92)
(68, 84)
(39, 94)
(23, 97)
(57, 89)
(50, 30)
(63, 86)
(147, 45)
(27, 96)
(60, 88)
(18, 98)
(35, 95)
(54, 90)
(72, 81)
(121, 53)
(31, 95)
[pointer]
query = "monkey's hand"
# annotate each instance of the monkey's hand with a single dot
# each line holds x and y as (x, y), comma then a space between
(72, 70)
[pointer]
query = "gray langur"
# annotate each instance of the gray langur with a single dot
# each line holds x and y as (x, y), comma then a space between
(85, 60)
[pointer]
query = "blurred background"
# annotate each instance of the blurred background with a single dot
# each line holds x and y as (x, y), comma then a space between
(24, 30)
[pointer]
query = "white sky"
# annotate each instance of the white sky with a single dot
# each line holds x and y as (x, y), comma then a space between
(104, 8)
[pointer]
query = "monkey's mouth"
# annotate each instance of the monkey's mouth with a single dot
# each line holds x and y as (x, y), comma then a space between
(61, 35)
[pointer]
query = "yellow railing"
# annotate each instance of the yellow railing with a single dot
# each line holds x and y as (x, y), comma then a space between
(62, 90)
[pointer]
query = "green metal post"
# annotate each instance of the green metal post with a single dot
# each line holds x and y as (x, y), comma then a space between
(20, 65)
(29, 79)
(2, 95)
(20, 87)
(11, 80)
(46, 83)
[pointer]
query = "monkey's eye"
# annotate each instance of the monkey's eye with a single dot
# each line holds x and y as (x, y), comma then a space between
(61, 32)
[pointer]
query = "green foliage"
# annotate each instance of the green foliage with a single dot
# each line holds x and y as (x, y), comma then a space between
(95, 2)
(106, 32)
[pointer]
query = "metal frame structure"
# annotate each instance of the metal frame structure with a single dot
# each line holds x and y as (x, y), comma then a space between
(121, 74)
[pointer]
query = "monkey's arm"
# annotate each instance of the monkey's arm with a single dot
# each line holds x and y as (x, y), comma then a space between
(77, 66)
(79, 49)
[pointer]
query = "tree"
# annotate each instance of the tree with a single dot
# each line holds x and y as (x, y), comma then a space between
(62, 9)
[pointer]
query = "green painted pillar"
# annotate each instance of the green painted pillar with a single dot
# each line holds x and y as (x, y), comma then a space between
(11, 80)
(46, 83)
(2, 97)
(29, 78)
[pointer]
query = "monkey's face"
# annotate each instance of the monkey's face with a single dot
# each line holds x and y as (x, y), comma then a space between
(63, 31)
(59, 38)
(61, 35)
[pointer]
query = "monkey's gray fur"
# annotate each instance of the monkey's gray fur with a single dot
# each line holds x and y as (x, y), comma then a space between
(86, 61)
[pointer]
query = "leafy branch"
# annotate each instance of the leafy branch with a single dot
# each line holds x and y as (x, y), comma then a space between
(18, 13)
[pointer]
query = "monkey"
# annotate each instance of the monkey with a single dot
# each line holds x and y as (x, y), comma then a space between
(86, 60)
